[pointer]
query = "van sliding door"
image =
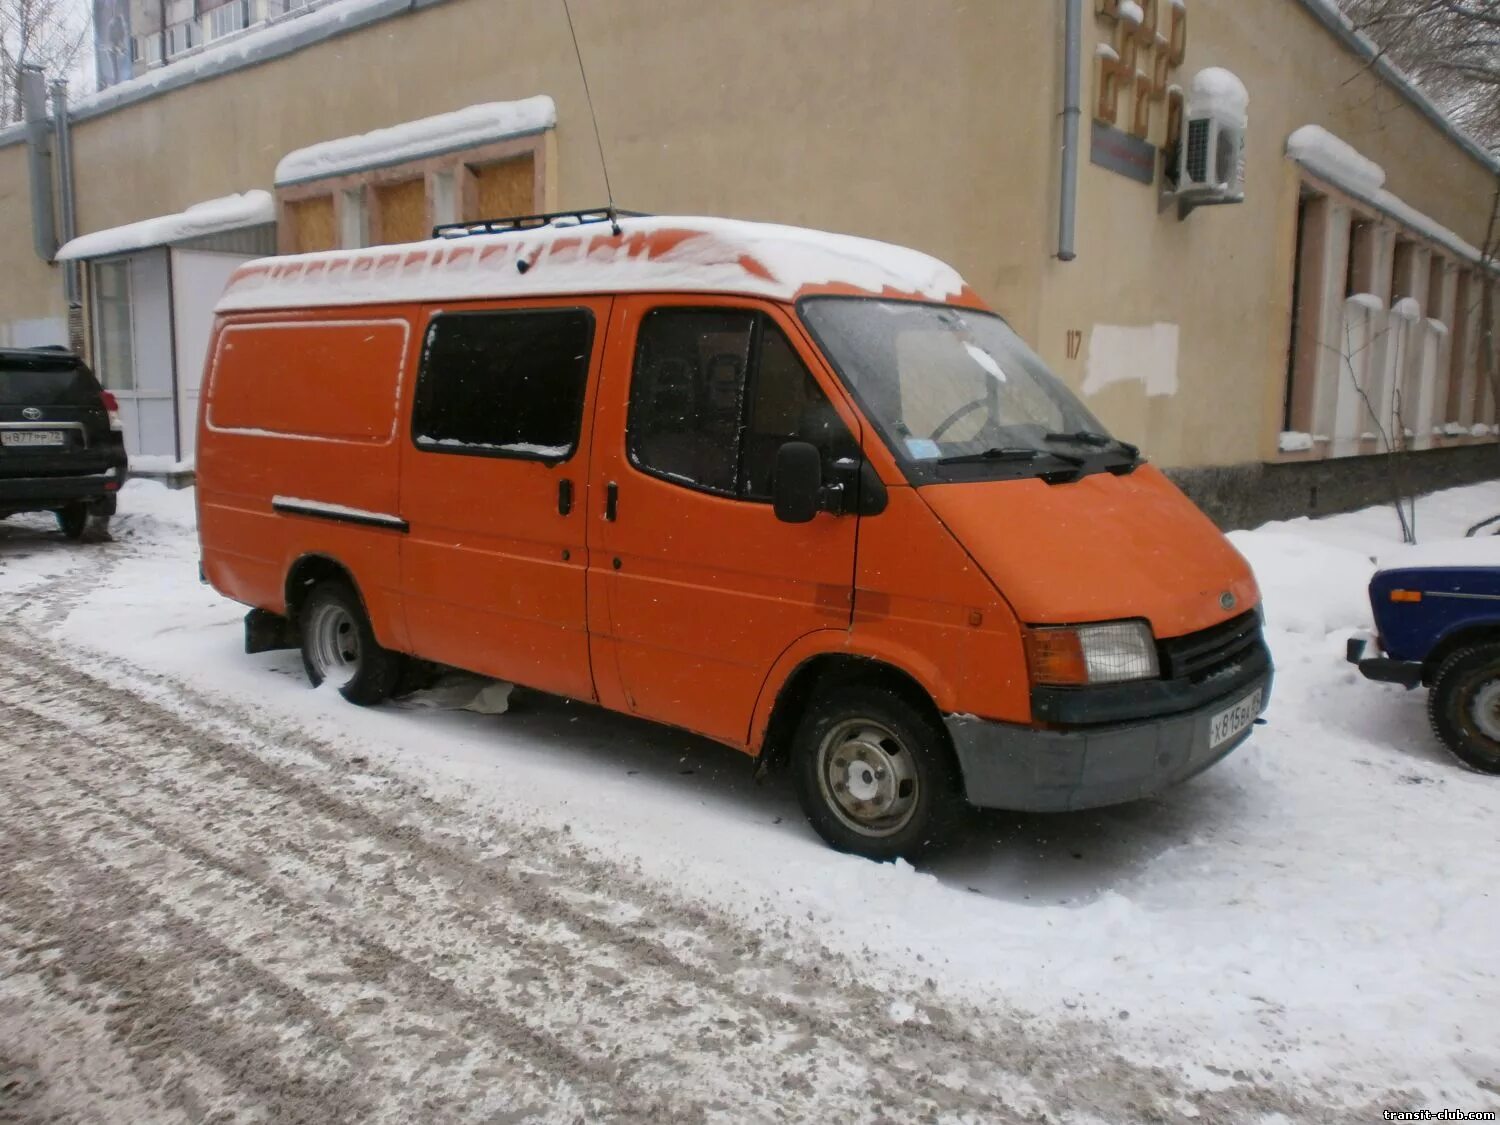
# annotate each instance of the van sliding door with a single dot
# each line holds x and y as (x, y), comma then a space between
(493, 476)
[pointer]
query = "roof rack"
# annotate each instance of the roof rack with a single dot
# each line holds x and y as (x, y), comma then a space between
(608, 215)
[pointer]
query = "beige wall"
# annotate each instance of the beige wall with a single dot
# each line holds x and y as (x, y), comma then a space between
(29, 287)
(1224, 275)
(932, 123)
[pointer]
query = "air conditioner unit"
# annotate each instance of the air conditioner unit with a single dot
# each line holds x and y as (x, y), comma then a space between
(1211, 154)
(1212, 160)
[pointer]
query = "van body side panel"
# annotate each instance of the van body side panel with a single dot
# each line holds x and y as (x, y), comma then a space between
(493, 570)
(923, 601)
(705, 591)
(302, 409)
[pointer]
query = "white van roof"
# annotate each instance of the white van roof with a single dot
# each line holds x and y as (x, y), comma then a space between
(650, 254)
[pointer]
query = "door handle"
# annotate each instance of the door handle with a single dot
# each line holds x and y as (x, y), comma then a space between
(611, 501)
(564, 497)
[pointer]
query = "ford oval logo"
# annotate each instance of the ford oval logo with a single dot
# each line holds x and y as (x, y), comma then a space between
(32, 414)
(1226, 600)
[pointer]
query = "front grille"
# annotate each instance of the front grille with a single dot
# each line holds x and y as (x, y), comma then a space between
(1200, 655)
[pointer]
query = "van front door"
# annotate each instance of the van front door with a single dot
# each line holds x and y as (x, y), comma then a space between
(699, 587)
(493, 473)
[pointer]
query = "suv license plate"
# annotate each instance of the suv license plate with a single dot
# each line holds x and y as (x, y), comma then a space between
(32, 437)
(1230, 721)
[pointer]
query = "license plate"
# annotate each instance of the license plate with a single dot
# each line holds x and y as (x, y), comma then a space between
(1233, 719)
(31, 437)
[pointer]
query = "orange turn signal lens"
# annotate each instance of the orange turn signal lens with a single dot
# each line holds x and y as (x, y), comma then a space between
(1055, 656)
(1406, 595)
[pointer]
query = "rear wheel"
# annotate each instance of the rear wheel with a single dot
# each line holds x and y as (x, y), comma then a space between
(73, 519)
(338, 645)
(1464, 706)
(875, 774)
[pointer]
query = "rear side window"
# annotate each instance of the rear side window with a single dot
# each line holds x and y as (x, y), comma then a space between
(504, 384)
(716, 393)
(70, 386)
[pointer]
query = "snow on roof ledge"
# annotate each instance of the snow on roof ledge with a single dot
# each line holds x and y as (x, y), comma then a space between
(1318, 150)
(1330, 158)
(415, 140)
(232, 212)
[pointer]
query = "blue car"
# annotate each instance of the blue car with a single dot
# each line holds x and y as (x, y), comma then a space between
(1439, 626)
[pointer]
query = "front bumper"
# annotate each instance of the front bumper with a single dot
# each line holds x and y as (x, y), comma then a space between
(1385, 669)
(21, 494)
(1029, 770)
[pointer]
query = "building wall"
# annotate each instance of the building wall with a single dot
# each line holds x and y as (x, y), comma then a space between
(1223, 276)
(931, 123)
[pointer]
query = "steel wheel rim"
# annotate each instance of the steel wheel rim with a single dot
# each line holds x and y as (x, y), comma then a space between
(1485, 710)
(335, 643)
(868, 778)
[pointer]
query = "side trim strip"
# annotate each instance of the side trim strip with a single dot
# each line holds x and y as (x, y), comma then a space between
(289, 507)
(1456, 594)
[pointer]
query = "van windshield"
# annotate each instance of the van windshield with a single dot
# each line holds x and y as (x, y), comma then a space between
(956, 394)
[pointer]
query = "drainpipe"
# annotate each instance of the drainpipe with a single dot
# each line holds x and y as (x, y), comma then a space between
(39, 157)
(69, 216)
(1072, 83)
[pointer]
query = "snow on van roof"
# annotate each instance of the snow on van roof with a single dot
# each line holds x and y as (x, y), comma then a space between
(659, 253)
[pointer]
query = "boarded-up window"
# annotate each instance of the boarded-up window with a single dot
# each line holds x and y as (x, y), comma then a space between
(505, 189)
(403, 211)
(335, 381)
(312, 225)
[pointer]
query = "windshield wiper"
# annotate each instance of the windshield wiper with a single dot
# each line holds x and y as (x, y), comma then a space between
(1091, 437)
(1008, 453)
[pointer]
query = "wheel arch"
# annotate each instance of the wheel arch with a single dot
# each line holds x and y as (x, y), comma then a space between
(815, 663)
(1467, 635)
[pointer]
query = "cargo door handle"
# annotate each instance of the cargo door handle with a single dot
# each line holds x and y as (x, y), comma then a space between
(611, 501)
(564, 497)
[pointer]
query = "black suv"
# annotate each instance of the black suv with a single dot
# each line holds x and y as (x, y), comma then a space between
(61, 447)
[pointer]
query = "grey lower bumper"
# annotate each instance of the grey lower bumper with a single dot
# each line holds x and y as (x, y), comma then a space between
(1025, 769)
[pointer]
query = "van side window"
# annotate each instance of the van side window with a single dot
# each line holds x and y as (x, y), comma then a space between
(503, 384)
(715, 393)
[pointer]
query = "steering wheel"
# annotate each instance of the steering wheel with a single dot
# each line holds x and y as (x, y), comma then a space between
(962, 412)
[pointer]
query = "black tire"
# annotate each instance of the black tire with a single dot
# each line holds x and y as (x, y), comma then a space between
(877, 729)
(73, 520)
(337, 638)
(1464, 706)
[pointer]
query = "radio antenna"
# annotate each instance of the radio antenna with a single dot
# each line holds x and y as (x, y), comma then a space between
(614, 218)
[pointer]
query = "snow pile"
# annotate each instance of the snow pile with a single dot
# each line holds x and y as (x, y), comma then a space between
(683, 254)
(1319, 151)
(413, 140)
(1220, 92)
(232, 212)
(1482, 550)
(1291, 441)
(160, 463)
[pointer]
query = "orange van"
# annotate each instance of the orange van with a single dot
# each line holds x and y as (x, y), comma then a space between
(798, 492)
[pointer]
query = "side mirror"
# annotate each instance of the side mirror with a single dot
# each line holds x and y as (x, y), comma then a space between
(797, 487)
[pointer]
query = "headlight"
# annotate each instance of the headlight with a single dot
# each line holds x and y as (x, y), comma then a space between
(1109, 653)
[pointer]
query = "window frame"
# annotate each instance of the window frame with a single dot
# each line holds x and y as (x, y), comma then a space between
(97, 301)
(550, 460)
(760, 317)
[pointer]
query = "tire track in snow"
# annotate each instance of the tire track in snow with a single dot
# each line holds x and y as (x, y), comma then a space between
(842, 1021)
(695, 1020)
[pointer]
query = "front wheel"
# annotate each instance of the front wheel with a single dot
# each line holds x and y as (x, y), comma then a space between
(875, 775)
(339, 645)
(1464, 706)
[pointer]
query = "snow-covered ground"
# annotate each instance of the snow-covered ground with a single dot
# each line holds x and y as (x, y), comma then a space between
(1302, 933)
